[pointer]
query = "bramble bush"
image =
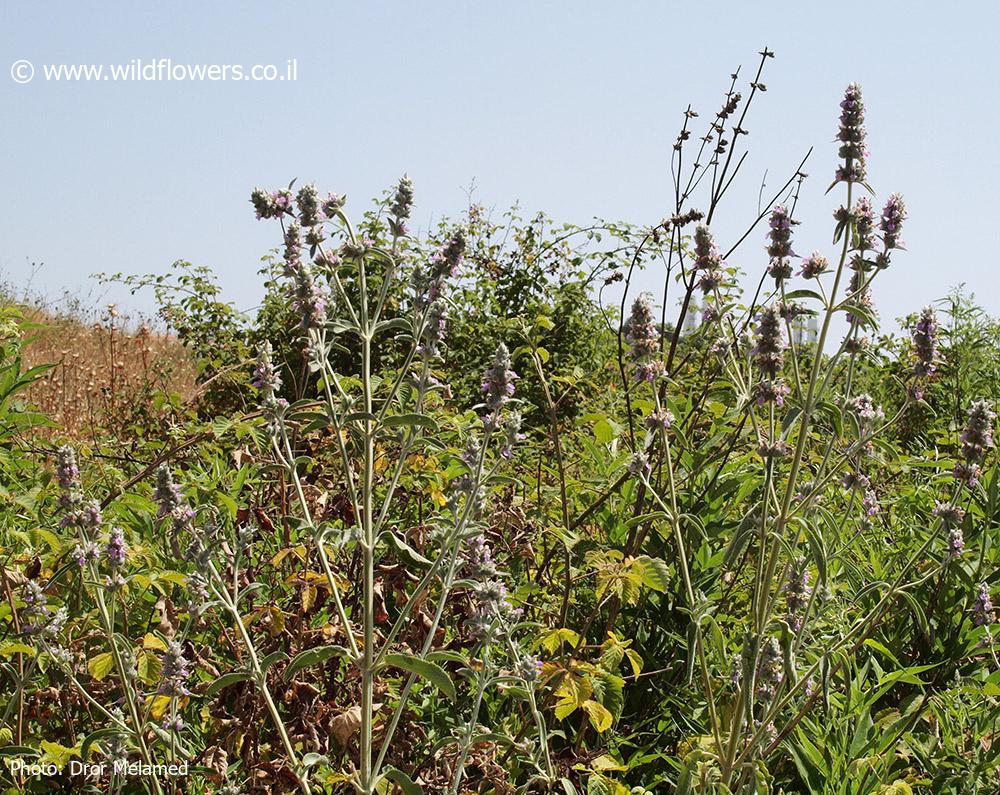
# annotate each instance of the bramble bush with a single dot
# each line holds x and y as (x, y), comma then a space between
(446, 521)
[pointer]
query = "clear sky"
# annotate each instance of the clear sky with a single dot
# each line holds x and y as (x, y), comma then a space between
(570, 108)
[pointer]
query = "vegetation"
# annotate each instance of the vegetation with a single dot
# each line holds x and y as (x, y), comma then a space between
(439, 518)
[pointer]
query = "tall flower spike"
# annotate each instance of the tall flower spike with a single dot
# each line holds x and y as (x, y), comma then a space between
(265, 376)
(707, 260)
(976, 439)
(402, 204)
(924, 337)
(983, 612)
(498, 380)
(780, 244)
(852, 136)
(891, 223)
(769, 341)
(307, 200)
(643, 340)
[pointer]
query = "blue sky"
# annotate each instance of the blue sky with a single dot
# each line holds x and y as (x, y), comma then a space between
(569, 108)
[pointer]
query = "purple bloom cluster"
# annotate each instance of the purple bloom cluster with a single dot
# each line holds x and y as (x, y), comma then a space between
(983, 612)
(956, 542)
(707, 260)
(309, 300)
(643, 340)
(769, 341)
(307, 200)
(780, 243)
(271, 204)
(430, 287)
(401, 206)
(771, 391)
(852, 136)
(976, 439)
(950, 515)
(770, 670)
(865, 409)
(659, 420)
(891, 223)
(924, 337)
(265, 375)
(493, 613)
(174, 673)
(116, 548)
(864, 225)
(814, 265)
(498, 382)
(171, 500)
(510, 427)
(797, 592)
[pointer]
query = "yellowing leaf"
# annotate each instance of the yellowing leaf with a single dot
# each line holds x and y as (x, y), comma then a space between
(56, 754)
(152, 643)
(600, 718)
(100, 665)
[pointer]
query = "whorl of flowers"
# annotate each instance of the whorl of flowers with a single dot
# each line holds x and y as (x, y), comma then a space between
(659, 420)
(797, 592)
(977, 437)
(707, 260)
(775, 449)
(956, 542)
(814, 265)
(430, 286)
(510, 427)
(643, 340)
(865, 409)
(983, 612)
(492, 611)
(950, 515)
(528, 668)
(68, 478)
(36, 616)
(498, 381)
(852, 136)
(293, 248)
(271, 204)
(771, 392)
(309, 301)
(864, 225)
(116, 548)
(171, 500)
(639, 465)
(925, 337)
(769, 341)
(84, 553)
(265, 375)
(307, 200)
(770, 670)
(401, 206)
(174, 673)
(855, 481)
(869, 504)
(891, 223)
(780, 243)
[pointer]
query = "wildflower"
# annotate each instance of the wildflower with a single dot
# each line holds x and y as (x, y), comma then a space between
(780, 246)
(331, 205)
(736, 669)
(479, 558)
(307, 200)
(776, 449)
(529, 668)
(869, 503)
(659, 420)
(272, 204)
(770, 670)
(865, 409)
(498, 380)
(172, 723)
(977, 437)
(174, 674)
(198, 593)
(924, 337)
(265, 374)
(402, 204)
(510, 426)
(864, 225)
(956, 542)
(707, 260)
(797, 592)
(893, 215)
(771, 392)
(116, 549)
(85, 517)
(814, 265)
(983, 611)
(852, 136)
(790, 310)
(85, 553)
(68, 478)
(769, 341)
(432, 337)
(641, 335)
(168, 495)
(967, 474)
(639, 465)
(855, 480)
(950, 515)
(308, 299)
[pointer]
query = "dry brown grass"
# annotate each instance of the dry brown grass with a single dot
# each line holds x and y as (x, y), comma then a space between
(108, 376)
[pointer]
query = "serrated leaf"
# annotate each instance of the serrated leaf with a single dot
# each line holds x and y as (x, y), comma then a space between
(100, 665)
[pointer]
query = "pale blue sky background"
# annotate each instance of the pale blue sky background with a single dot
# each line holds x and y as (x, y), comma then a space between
(566, 107)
